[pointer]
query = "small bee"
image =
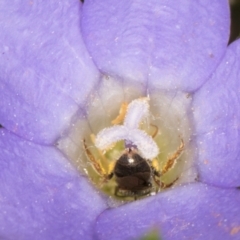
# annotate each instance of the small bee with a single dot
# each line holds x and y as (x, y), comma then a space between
(137, 167)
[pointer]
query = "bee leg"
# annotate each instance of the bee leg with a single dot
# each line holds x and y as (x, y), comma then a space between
(101, 153)
(122, 112)
(109, 175)
(96, 163)
(163, 185)
(156, 176)
(172, 160)
(105, 179)
(160, 184)
(116, 191)
(156, 173)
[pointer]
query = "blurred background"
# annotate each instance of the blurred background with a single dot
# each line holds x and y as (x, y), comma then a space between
(235, 20)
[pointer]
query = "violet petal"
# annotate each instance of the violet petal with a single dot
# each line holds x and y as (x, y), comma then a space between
(41, 195)
(217, 122)
(170, 45)
(195, 211)
(46, 72)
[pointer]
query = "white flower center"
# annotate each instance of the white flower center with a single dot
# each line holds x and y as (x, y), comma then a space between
(136, 111)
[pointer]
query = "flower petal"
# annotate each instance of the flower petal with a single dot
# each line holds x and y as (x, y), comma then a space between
(46, 72)
(217, 115)
(195, 211)
(41, 195)
(169, 45)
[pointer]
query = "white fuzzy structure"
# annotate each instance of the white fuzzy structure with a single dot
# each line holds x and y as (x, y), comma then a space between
(108, 136)
(136, 111)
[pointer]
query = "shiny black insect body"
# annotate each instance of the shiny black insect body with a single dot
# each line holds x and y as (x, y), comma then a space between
(133, 175)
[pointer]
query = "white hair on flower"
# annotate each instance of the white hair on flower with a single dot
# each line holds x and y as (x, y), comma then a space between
(137, 110)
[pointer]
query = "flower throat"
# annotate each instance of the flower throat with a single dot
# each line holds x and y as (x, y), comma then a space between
(130, 145)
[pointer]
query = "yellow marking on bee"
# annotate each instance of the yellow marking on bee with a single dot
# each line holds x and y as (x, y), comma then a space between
(155, 164)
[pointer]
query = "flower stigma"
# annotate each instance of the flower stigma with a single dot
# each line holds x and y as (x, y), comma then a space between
(131, 144)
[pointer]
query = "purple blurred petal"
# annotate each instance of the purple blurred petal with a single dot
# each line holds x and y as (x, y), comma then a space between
(217, 113)
(46, 73)
(194, 211)
(171, 45)
(41, 194)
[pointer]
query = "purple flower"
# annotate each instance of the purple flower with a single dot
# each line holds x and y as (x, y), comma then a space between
(52, 57)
